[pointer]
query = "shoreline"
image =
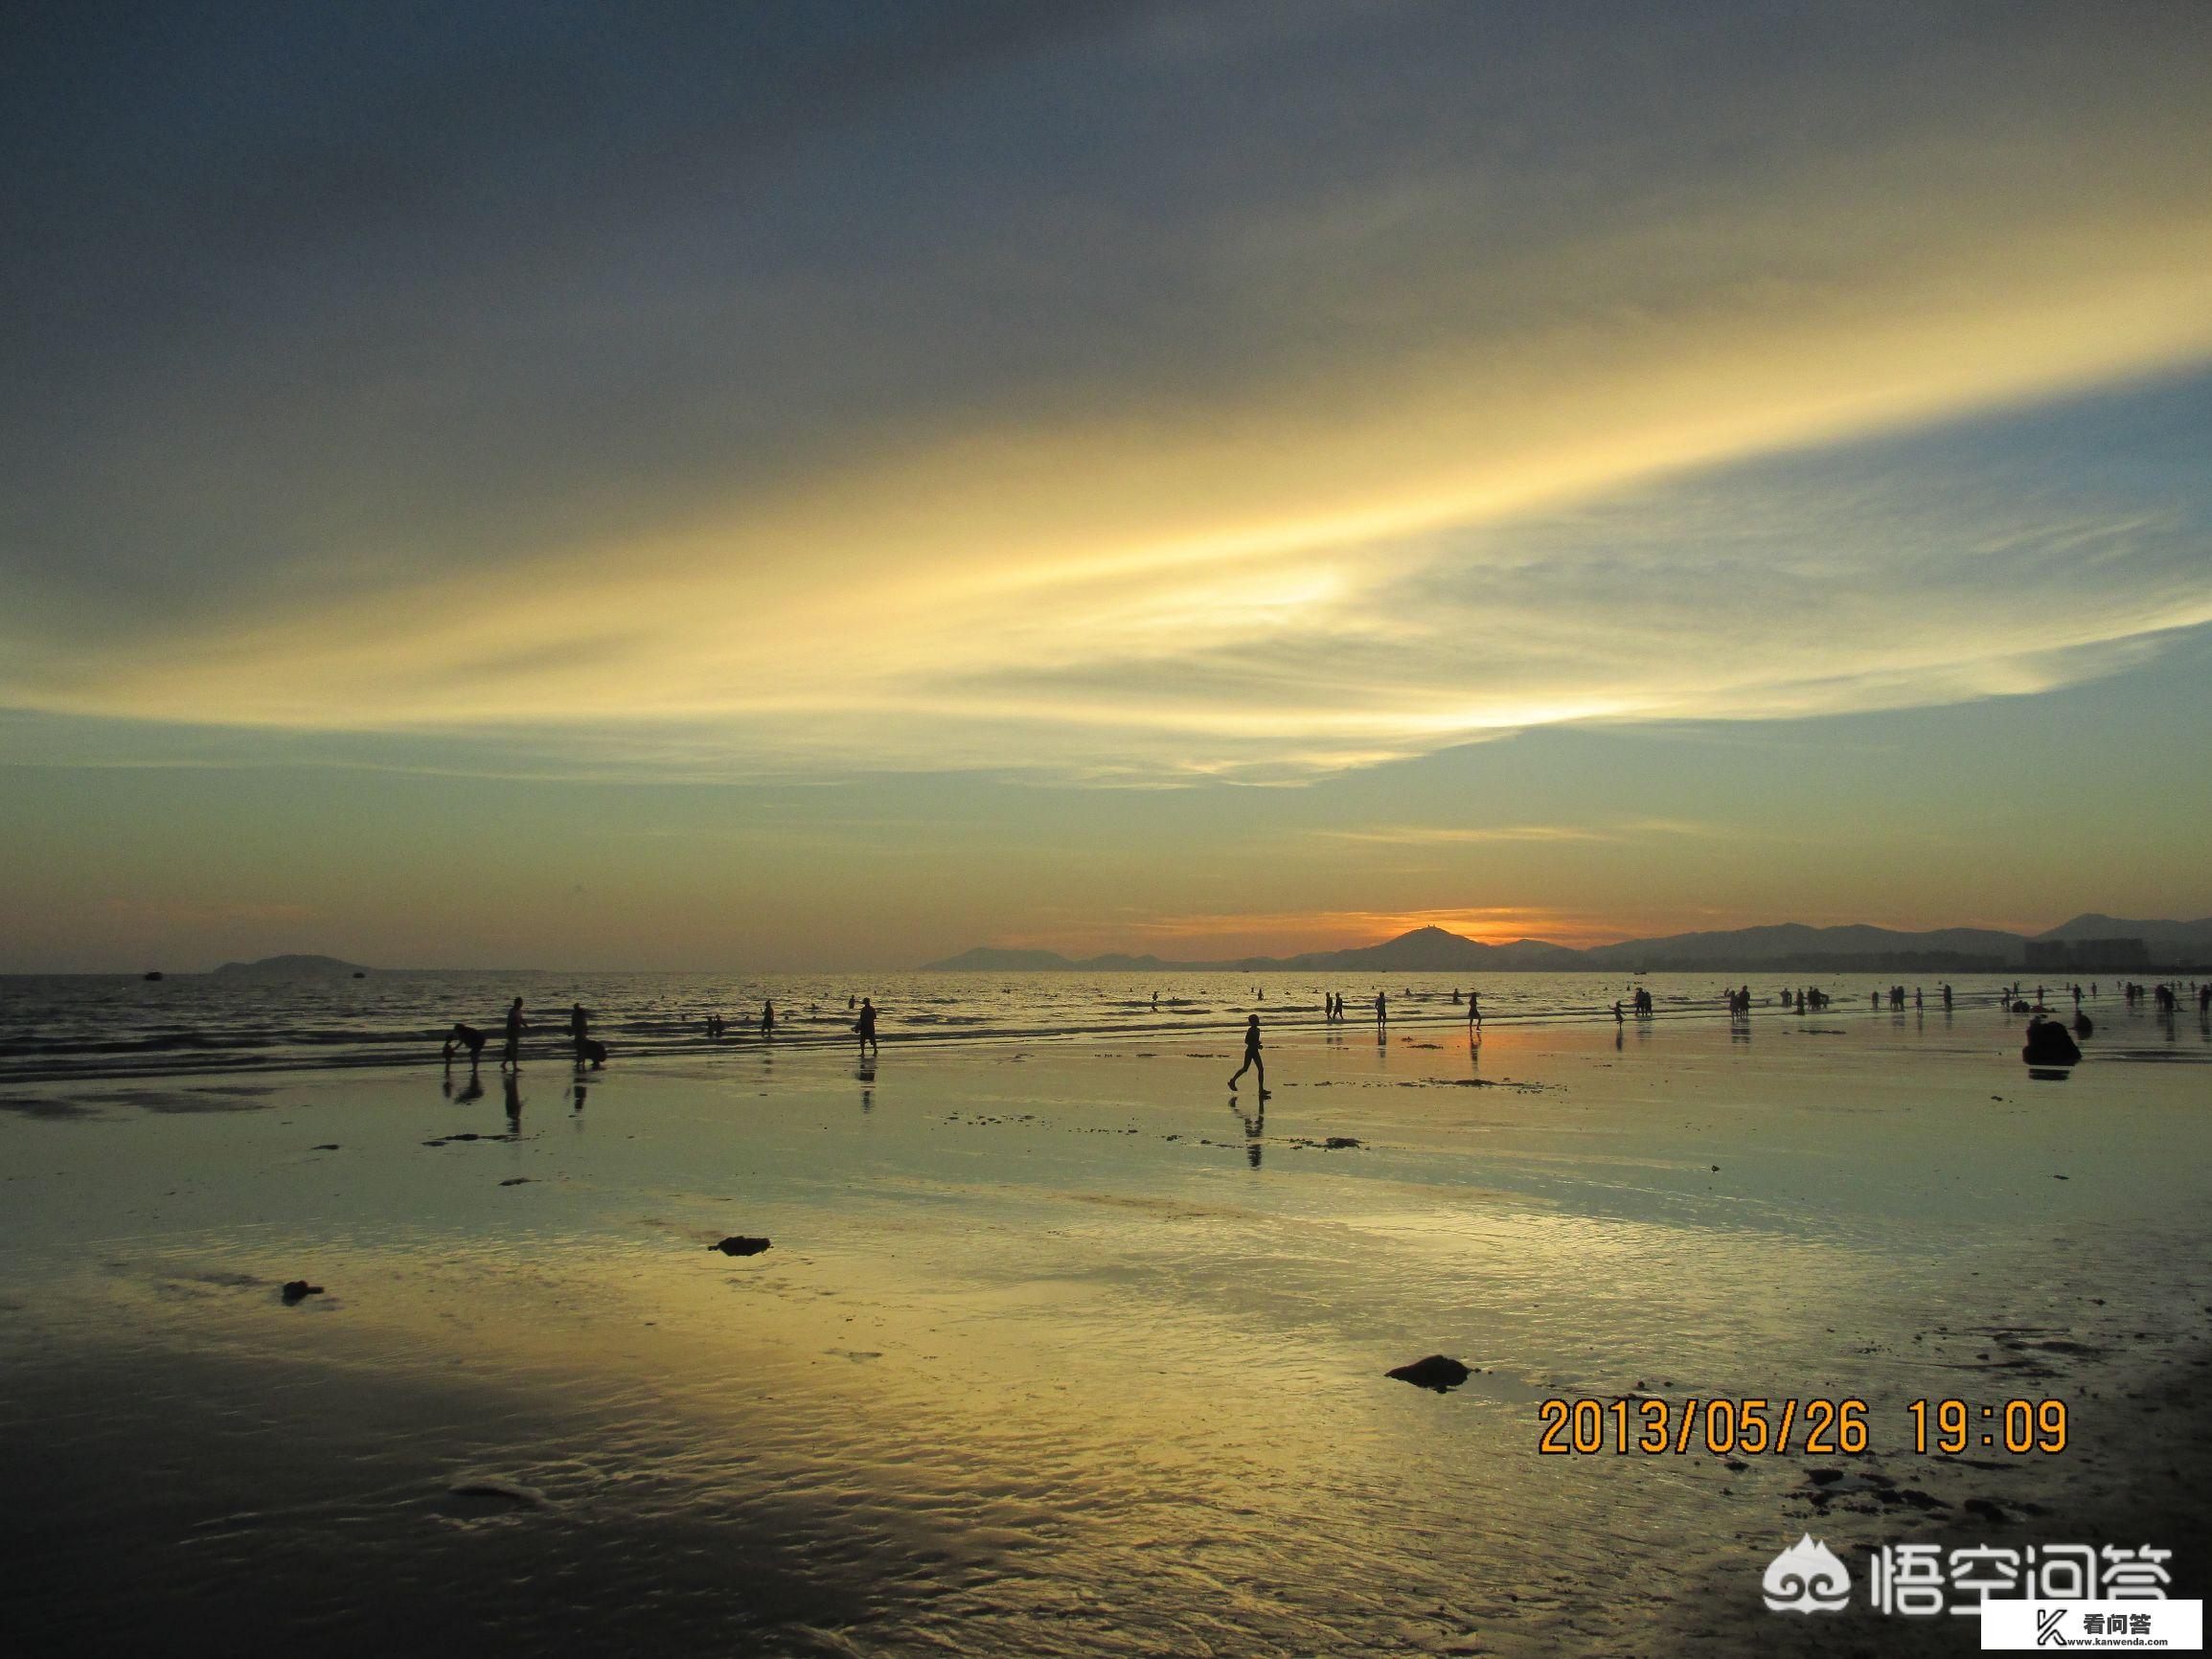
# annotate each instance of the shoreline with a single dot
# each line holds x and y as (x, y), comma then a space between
(191, 1055)
(1041, 1316)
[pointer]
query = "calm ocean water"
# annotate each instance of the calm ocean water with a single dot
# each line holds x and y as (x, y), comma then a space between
(121, 1026)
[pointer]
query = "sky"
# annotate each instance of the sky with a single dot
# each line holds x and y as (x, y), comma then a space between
(828, 485)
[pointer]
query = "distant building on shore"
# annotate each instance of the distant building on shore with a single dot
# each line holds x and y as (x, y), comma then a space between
(2087, 955)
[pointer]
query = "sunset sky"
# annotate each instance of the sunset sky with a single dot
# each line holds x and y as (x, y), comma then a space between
(829, 485)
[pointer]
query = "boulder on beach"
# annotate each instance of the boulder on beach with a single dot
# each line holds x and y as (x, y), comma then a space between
(2049, 1045)
(299, 1290)
(1436, 1372)
(737, 1244)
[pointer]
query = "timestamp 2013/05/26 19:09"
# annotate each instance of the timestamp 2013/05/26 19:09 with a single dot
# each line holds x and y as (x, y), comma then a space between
(1751, 1425)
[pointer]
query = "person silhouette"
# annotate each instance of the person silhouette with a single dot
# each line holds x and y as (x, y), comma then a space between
(1382, 1010)
(578, 1029)
(1252, 1060)
(866, 1026)
(516, 1024)
(464, 1037)
(768, 1017)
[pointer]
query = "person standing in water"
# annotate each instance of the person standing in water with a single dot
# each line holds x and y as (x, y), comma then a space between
(516, 1024)
(1382, 1012)
(1474, 1008)
(866, 1026)
(768, 1017)
(578, 1024)
(1252, 1060)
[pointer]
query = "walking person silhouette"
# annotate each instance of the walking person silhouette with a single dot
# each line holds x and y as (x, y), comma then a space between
(866, 1027)
(516, 1024)
(1252, 1060)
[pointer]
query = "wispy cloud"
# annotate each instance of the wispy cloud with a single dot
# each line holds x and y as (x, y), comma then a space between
(1512, 399)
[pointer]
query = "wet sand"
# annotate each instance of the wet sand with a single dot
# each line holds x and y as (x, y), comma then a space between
(1057, 1349)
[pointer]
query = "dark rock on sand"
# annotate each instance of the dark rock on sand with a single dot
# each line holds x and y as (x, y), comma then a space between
(737, 1244)
(1436, 1372)
(299, 1290)
(2048, 1044)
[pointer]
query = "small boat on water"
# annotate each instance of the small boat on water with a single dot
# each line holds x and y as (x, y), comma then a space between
(151, 974)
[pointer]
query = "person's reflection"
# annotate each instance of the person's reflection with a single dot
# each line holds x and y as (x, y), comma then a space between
(514, 1083)
(446, 1086)
(472, 1089)
(577, 1099)
(1255, 1128)
(1617, 1036)
(866, 1076)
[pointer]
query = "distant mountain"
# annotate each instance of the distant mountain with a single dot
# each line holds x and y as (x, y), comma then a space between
(289, 967)
(1790, 945)
(2191, 939)
(1431, 950)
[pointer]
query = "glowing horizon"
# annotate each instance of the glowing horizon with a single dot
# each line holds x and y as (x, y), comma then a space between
(1349, 418)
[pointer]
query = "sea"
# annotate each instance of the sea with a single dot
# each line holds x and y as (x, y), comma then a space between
(123, 1025)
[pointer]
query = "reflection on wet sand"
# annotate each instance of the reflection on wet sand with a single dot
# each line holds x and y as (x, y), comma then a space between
(1045, 1361)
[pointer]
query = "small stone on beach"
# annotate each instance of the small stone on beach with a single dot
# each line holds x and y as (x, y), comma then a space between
(1436, 1372)
(299, 1290)
(737, 1244)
